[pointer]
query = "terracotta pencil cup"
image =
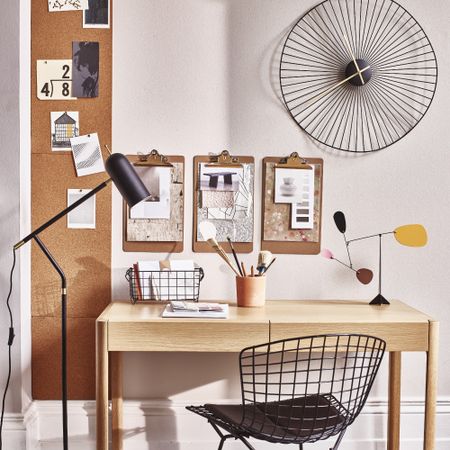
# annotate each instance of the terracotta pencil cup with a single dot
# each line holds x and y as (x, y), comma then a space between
(250, 291)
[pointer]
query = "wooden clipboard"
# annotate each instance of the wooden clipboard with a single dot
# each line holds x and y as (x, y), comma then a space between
(153, 159)
(224, 160)
(294, 161)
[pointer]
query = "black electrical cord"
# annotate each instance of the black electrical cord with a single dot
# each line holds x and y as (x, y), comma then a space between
(10, 342)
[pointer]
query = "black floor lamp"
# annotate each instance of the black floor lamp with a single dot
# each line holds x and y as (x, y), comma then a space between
(123, 175)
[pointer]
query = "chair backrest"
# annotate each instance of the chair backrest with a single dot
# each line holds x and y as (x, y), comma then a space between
(307, 388)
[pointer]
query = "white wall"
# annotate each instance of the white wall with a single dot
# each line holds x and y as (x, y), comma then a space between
(9, 216)
(198, 76)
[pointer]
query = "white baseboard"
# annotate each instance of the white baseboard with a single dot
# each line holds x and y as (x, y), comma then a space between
(165, 425)
(14, 432)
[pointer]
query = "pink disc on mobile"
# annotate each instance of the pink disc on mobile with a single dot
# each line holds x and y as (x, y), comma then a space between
(327, 253)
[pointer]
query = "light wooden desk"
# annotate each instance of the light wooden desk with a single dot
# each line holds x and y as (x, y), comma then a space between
(124, 327)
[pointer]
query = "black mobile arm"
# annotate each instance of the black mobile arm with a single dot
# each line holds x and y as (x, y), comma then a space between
(379, 298)
(133, 191)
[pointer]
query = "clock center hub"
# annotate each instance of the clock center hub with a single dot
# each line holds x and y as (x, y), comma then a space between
(352, 71)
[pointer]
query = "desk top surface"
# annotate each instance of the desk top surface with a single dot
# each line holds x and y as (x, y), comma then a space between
(280, 311)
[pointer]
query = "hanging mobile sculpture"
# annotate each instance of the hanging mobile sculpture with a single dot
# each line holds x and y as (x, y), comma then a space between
(413, 235)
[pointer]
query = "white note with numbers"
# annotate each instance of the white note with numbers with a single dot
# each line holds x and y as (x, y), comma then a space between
(54, 79)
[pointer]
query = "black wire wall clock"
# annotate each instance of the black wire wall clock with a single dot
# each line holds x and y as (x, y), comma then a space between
(358, 75)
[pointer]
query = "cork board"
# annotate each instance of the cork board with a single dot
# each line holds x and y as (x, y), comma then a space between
(84, 255)
(305, 242)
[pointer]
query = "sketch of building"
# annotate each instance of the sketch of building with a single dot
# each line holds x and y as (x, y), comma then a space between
(64, 127)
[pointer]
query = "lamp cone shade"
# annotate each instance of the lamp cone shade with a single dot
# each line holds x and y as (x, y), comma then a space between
(411, 235)
(126, 179)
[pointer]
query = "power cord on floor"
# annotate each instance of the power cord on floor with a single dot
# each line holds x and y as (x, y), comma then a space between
(10, 343)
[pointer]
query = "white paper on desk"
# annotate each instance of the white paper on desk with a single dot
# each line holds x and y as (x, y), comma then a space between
(170, 313)
(87, 154)
(157, 181)
(181, 280)
(148, 283)
(67, 5)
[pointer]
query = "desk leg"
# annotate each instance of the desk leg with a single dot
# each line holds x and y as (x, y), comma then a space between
(117, 400)
(395, 367)
(101, 374)
(431, 387)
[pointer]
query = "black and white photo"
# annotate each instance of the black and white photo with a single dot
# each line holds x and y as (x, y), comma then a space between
(97, 15)
(85, 69)
(84, 215)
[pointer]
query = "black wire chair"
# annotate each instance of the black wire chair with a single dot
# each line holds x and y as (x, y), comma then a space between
(300, 390)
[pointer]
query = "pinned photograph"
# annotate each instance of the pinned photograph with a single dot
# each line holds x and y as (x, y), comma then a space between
(87, 154)
(97, 15)
(84, 215)
(293, 185)
(67, 5)
(157, 206)
(220, 178)
(65, 125)
(85, 69)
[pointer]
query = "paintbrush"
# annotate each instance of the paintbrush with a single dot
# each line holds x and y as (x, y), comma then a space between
(221, 252)
(264, 259)
(268, 267)
(235, 256)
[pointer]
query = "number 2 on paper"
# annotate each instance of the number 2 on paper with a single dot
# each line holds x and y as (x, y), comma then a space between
(54, 79)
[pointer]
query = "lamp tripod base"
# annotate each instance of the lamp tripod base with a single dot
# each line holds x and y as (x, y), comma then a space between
(379, 300)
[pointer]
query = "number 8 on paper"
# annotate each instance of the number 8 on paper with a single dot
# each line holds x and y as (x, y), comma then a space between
(54, 79)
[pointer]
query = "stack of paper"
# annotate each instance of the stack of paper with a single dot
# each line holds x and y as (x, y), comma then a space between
(196, 310)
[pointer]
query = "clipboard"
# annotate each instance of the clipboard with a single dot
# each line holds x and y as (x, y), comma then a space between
(155, 159)
(222, 161)
(285, 240)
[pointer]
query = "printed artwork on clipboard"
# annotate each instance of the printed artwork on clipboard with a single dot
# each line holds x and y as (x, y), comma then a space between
(161, 223)
(231, 211)
(281, 220)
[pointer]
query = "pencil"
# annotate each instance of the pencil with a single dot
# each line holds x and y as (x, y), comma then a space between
(243, 269)
(235, 256)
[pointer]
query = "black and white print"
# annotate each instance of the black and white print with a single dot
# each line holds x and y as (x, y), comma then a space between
(85, 69)
(87, 155)
(84, 215)
(97, 15)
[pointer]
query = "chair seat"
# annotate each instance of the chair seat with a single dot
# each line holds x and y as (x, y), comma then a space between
(289, 421)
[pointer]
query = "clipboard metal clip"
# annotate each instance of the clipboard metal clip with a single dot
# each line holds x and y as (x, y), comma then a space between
(294, 161)
(224, 159)
(153, 159)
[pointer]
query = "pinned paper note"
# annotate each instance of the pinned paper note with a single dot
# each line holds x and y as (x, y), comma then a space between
(84, 215)
(65, 125)
(98, 14)
(67, 5)
(87, 155)
(86, 60)
(54, 79)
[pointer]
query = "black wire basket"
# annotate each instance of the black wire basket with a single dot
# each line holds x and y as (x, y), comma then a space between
(164, 285)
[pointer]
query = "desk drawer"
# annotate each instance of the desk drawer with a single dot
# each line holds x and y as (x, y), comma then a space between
(185, 336)
(405, 337)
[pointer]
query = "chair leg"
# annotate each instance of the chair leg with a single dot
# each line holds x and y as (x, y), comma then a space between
(222, 441)
(339, 439)
(245, 442)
